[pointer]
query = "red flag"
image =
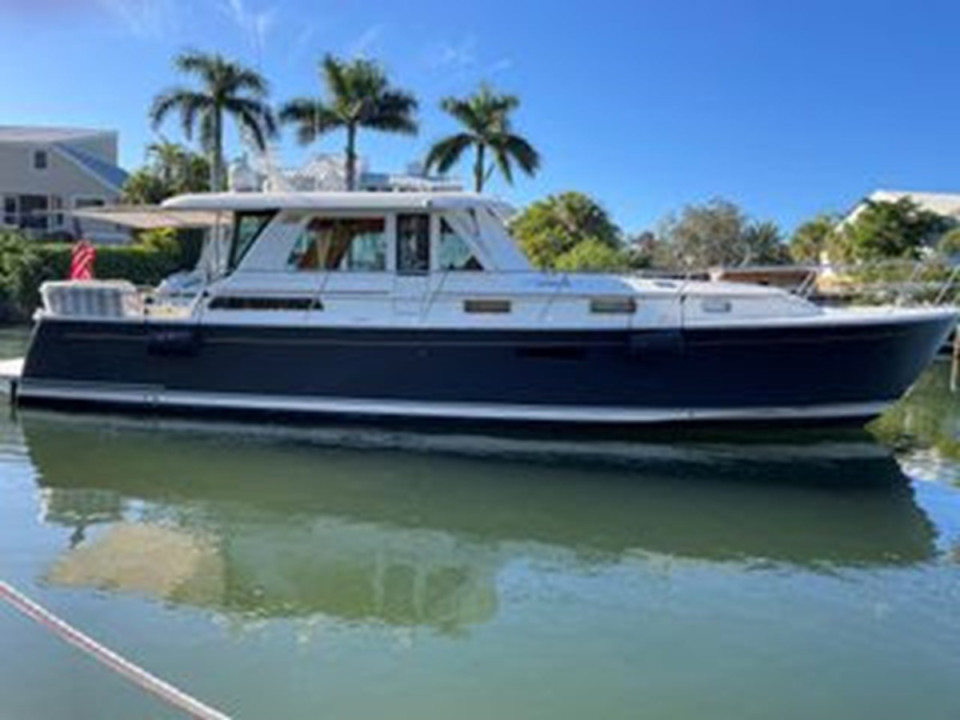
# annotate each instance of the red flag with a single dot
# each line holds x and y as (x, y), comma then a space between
(81, 262)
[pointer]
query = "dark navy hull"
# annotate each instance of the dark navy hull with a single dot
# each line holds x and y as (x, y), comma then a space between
(843, 372)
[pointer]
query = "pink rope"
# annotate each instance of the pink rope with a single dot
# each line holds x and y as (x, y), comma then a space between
(112, 660)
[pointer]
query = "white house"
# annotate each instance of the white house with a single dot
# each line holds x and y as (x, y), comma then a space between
(327, 172)
(46, 170)
(947, 204)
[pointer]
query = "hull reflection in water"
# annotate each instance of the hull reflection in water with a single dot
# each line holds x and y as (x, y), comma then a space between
(278, 525)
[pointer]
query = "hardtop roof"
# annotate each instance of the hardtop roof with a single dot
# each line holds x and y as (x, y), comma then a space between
(253, 201)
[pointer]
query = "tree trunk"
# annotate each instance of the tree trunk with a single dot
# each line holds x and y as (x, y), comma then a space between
(351, 157)
(216, 163)
(478, 170)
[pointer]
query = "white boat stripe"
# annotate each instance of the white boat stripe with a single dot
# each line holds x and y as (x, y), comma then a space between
(470, 411)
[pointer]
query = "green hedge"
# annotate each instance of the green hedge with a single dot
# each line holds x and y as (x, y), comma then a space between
(26, 264)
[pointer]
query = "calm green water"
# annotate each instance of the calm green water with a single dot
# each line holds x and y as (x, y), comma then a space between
(375, 574)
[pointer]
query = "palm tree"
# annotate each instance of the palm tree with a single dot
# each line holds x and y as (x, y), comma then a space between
(359, 96)
(177, 168)
(168, 160)
(485, 116)
(227, 89)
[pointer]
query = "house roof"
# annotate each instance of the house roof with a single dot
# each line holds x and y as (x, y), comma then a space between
(108, 173)
(61, 138)
(940, 203)
(27, 134)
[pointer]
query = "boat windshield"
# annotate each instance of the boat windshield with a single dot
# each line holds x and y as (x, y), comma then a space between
(247, 227)
(453, 253)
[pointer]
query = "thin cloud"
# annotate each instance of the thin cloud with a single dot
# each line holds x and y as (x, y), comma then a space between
(500, 66)
(302, 42)
(255, 25)
(142, 18)
(456, 56)
(462, 61)
(366, 42)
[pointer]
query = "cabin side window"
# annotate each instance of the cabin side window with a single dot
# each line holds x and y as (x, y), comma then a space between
(453, 253)
(341, 244)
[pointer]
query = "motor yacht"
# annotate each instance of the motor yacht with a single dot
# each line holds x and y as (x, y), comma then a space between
(377, 305)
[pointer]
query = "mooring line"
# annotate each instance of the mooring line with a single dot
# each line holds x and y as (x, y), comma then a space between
(115, 662)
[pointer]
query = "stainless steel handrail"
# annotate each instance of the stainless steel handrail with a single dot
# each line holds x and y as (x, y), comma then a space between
(855, 283)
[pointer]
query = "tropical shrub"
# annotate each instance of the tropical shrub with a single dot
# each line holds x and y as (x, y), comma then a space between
(21, 272)
(551, 228)
(593, 256)
(811, 238)
(899, 230)
(949, 245)
(718, 234)
(172, 170)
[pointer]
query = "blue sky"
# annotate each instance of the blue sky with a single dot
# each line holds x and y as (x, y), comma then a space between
(787, 108)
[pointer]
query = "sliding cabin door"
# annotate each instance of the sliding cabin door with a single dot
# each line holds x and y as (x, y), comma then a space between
(412, 282)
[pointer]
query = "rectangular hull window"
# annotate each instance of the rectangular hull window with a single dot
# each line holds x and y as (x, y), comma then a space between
(225, 302)
(613, 306)
(486, 306)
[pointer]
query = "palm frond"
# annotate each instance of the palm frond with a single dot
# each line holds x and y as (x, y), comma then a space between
(310, 117)
(462, 111)
(187, 102)
(334, 77)
(502, 158)
(520, 150)
(298, 110)
(200, 64)
(492, 102)
(392, 111)
(255, 117)
(249, 80)
(252, 126)
(366, 79)
(444, 154)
